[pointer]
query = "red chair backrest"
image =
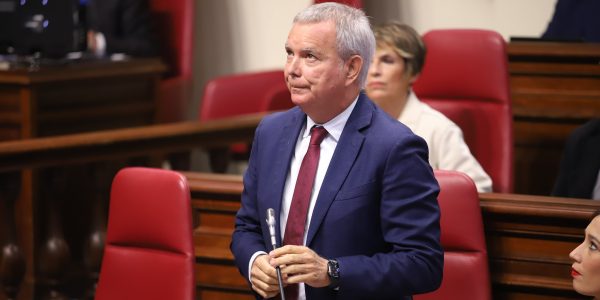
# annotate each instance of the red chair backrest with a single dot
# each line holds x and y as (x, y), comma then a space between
(353, 3)
(149, 250)
(466, 272)
(174, 22)
(466, 78)
(246, 93)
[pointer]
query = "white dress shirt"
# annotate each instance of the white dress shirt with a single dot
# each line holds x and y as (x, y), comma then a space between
(447, 148)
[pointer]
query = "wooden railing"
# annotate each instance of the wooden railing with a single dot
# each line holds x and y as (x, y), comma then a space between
(528, 237)
(50, 250)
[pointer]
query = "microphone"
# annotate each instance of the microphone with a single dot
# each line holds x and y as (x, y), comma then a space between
(271, 223)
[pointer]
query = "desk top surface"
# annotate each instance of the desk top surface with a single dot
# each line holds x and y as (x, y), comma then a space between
(25, 72)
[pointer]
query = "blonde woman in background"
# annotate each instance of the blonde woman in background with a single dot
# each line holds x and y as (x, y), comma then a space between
(397, 62)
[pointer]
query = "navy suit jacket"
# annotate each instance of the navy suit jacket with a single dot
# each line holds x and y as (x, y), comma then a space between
(580, 162)
(376, 213)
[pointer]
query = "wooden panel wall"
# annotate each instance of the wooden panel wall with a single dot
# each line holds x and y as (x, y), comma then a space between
(555, 87)
(215, 200)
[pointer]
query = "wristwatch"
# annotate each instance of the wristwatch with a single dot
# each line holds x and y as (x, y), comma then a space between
(333, 271)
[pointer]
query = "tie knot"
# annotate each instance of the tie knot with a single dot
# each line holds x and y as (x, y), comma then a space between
(317, 134)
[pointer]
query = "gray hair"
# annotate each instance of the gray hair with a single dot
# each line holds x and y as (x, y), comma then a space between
(353, 31)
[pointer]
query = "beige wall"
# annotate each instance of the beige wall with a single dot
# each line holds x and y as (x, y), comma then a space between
(235, 36)
(508, 17)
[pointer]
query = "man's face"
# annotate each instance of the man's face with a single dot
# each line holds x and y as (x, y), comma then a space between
(314, 72)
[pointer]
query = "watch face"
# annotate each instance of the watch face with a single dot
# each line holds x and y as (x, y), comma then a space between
(333, 269)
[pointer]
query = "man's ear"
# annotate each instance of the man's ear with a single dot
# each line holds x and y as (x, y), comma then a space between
(353, 67)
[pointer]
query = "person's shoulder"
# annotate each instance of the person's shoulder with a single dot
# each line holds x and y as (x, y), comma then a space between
(589, 129)
(387, 125)
(435, 118)
(386, 130)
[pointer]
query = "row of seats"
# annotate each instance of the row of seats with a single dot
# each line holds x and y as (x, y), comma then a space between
(149, 252)
(465, 77)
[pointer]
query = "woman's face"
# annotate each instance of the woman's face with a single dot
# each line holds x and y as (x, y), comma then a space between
(586, 266)
(387, 78)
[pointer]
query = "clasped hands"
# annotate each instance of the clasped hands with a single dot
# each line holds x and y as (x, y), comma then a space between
(297, 264)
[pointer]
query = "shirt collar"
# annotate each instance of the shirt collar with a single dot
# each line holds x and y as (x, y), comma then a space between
(334, 126)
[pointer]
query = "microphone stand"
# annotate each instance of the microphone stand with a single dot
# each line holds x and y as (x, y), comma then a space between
(279, 279)
(271, 223)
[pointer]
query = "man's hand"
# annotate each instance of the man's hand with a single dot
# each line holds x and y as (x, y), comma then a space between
(300, 264)
(264, 277)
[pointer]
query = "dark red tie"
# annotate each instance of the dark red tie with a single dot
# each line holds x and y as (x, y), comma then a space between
(296, 222)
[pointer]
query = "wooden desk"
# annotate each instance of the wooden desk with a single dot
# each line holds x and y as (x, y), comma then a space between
(555, 88)
(72, 98)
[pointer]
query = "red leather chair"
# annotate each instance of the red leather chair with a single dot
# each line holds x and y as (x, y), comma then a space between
(353, 3)
(466, 273)
(240, 94)
(466, 78)
(247, 93)
(149, 250)
(174, 21)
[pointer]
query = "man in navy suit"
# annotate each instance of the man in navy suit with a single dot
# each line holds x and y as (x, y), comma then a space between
(372, 227)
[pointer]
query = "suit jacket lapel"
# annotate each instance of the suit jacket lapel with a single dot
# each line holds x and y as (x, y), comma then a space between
(281, 163)
(343, 158)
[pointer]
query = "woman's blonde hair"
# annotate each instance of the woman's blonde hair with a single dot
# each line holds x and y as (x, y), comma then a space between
(405, 41)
